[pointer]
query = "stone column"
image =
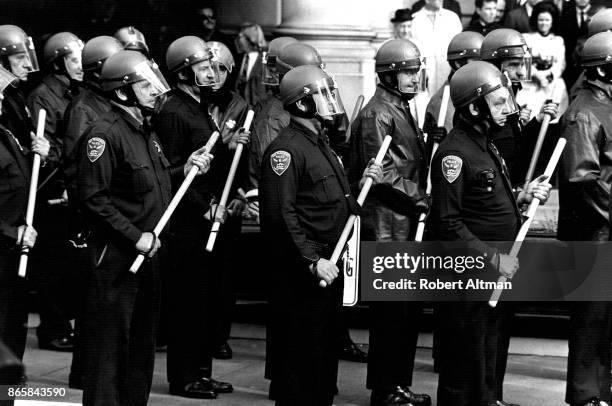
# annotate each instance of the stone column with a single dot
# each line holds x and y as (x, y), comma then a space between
(346, 33)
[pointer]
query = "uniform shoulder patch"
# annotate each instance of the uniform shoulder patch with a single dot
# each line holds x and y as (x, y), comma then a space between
(95, 148)
(280, 161)
(451, 167)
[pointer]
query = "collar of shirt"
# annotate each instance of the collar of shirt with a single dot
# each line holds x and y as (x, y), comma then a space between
(579, 12)
(251, 59)
(128, 116)
(58, 84)
(308, 133)
(388, 96)
(473, 132)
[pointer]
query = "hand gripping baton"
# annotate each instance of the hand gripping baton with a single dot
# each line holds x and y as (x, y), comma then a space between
(175, 201)
(214, 231)
(360, 199)
(441, 118)
(40, 131)
(550, 168)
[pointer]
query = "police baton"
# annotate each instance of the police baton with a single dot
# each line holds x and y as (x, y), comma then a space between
(360, 199)
(539, 143)
(176, 199)
(214, 231)
(40, 130)
(356, 110)
(533, 206)
(441, 119)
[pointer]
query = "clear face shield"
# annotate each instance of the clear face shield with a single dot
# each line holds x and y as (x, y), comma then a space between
(519, 68)
(6, 79)
(206, 73)
(73, 60)
(270, 76)
(31, 55)
(501, 101)
(327, 98)
(410, 81)
(151, 85)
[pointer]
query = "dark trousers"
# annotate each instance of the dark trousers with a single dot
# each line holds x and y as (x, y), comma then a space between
(119, 328)
(13, 309)
(190, 305)
(394, 331)
(53, 271)
(470, 370)
(303, 351)
(588, 363)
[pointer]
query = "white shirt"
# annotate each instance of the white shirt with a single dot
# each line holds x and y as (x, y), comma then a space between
(251, 59)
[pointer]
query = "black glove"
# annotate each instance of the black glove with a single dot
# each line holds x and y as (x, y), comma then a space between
(423, 205)
(438, 134)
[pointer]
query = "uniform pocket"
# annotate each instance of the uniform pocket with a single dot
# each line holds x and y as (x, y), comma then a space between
(324, 186)
(142, 177)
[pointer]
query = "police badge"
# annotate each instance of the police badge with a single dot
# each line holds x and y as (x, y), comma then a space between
(95, 148)
(280, 161)
(451, 167)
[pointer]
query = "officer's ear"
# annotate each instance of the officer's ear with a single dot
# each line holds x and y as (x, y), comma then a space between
(301, 106)
(474, 111)
(182, 76)
(121, 95)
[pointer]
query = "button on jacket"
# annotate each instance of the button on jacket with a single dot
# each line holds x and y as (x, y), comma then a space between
(123, 178)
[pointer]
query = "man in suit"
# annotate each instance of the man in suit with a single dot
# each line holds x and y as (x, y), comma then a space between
(518, 19)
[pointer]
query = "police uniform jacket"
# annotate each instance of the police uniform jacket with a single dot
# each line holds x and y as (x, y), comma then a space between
(267, 125)
(404, 165)
(586, 164)
(53, 94)
(184, 125)
(15, 170)
(472, 196)
(16, 115)
(123, 178)
(304, 195)
(80, 115)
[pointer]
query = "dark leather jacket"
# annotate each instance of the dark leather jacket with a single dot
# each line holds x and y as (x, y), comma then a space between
(586, 164)
(395, 203)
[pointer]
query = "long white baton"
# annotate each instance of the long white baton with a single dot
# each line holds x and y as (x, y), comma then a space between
(176, 199)
(214, 231)
(550, 168)
(40, 131)
(360, 199)
(441, 119)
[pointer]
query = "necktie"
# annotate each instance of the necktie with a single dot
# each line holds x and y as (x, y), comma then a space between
(582, 19)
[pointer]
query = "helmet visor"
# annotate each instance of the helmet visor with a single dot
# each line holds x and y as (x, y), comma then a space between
(270, 75)
(412, 80)
(327, 99)
(501, 101)
(206, 73)
(149, 71)
(30, 55)
(7, 78)
(519, 68)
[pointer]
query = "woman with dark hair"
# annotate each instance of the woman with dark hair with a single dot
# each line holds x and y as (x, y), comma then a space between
(548, 52)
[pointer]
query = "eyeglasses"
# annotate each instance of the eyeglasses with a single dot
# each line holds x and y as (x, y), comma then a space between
(207, 17)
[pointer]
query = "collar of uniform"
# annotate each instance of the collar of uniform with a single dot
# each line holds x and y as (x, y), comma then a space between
(599, 86)
(473, 133)
(308, 133)
(388, 96)
(58, 84)
(127, 116)
(187, 99)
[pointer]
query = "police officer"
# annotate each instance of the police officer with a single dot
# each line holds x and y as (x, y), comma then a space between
(507, 49)
(392, 210)
(15, 171)
(584, 207)
(132, 40)
(305, 202)
(228, 110)
(81, 113)
(18, 56)
(272, 117)
(473, 201)
(124, 187)
(53, 269)
(184, 124)
(463, 49)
